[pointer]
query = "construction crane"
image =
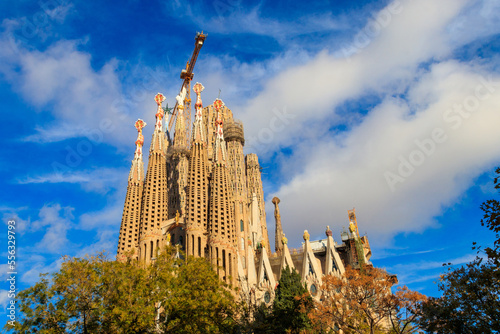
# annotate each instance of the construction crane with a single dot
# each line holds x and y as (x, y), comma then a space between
(358, 241)
(187, 76)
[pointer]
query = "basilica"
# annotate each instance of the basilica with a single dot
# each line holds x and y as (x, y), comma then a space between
(202, 193)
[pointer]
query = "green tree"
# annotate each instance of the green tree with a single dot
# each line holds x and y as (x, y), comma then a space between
(199, 302)
(94, 295)
(471, 293)
(87, 295)
(291, 305)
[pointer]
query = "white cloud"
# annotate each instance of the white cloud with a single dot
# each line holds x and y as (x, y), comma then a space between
(312, 91)
(4, 298)
(22, 225)
(355, 171)
(234, 19)
(35, 268)
(84, 101)
(106, 240)
(100, 180)
(335, 172)
(109, 216)
(55, 221)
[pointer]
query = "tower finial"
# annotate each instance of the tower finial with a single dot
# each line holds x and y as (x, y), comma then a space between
(198, 121)
(159, 98)
(158, 140)
(220, 145)
(139, 125)
(137, 171)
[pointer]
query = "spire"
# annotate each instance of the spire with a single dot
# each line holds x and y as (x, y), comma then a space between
(222, 230)
(154, 208)
(127, 241)
(180, 122)
(279, 230)
(197, 186)
(198, 136)
(158, 140)
(254, 183)
(178, 162)
(137, 171)
(220, 145)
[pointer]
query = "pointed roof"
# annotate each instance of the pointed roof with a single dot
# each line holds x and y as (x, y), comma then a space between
(198, 135)
(180, 140)
(286, 258)
(333, 263)
(158, 140)
(310, 264)
(265, 271)
(220, 145)
(137, 170)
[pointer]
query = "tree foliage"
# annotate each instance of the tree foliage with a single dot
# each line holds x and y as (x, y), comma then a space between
(291, 304)
(199, 302)
(362, 302)
(95, 295)
(404, 310)
(471, 293)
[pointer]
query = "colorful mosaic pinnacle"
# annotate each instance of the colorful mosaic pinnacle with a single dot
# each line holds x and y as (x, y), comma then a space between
(159, 98)
(139, 125)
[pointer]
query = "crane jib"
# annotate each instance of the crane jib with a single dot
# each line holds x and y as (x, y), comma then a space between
(187, 74)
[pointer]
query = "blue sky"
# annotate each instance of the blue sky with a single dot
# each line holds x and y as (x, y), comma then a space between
(389, 107)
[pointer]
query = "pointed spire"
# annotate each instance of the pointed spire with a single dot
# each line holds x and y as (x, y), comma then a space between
(159, 98)
(286, 258)
(154, 208)
(310, 264)
(333, 263)
(180, 125)
(198, 136)
(137, 171)
(220, 145)
(127, 241)
(158, 140)
(278, 245)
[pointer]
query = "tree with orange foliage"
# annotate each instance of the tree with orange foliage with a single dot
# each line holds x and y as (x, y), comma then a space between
(362, 302)
(404, 310)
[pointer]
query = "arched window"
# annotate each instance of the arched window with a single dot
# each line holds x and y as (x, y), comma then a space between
(199, 246)
(242, 226)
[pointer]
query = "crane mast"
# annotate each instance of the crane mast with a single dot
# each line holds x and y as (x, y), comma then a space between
(187, 76)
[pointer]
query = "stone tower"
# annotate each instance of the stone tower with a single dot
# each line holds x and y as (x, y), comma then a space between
(129, 230)
(178, 162)
(221, 229)
(154, 199)
(197, 185)
(201, 194)
(233, 134)
(254, 181)
(278, 236)
(210, 123)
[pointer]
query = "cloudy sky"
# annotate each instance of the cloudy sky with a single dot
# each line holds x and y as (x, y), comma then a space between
(389, 107)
